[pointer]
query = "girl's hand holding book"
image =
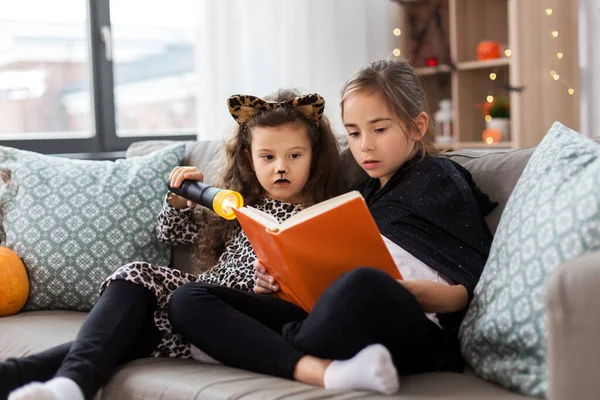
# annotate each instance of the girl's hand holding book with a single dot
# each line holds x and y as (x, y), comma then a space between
(264, 283)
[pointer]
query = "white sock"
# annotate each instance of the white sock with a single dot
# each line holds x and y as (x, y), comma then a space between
(55, 389)
(201, 356)
(371, 369)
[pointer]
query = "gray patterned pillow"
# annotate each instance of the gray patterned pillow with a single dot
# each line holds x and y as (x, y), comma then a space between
(552, 216)
(74, 222)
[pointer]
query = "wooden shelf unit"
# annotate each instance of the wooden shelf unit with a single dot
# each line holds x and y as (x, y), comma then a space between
(524, 27)
(477, 64)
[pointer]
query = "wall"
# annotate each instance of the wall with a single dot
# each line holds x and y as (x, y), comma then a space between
(589, 62)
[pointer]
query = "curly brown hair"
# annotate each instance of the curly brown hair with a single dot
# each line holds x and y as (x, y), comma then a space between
(325, 179)
(397, 82)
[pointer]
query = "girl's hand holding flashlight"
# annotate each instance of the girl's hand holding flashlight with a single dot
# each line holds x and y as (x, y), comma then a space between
(176, 177)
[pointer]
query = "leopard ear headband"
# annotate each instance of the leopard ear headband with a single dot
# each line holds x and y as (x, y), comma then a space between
(245, 107)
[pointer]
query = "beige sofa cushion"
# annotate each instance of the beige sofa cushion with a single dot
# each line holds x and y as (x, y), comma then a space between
(34, 331)
(206, 155)
(186, 379)
(174, 379)
(496, 174)
(485, 167)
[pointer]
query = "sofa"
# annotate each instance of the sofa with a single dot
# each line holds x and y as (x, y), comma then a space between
(573, 322)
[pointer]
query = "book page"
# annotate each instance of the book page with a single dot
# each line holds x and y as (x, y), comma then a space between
(318, 209)
(265, 219)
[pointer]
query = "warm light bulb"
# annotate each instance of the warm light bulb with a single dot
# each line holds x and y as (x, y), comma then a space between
(488, 118)
(552, 73)
(507, 52)
(490, 99)
(225, 201)
(560, 55)
(571, 91)
(397, 32)
(397, 52)
(548, 11)
(555, 34)
(491, 135)
(229, 203)
(556, 76)
(493, 76)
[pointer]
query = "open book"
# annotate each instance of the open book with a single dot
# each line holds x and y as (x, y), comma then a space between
(311, 249)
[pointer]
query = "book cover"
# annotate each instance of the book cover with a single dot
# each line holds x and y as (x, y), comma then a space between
(313, 248)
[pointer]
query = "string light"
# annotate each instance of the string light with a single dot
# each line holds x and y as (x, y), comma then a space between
(396, 52)
(507, 52)
(560, 55)
(493, 76)
(488, 118)
(490, 99)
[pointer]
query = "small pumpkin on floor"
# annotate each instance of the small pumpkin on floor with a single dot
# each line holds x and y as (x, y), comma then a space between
(14, 283)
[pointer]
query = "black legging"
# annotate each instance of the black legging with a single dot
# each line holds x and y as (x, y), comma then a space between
(265, 334)
(120, 328)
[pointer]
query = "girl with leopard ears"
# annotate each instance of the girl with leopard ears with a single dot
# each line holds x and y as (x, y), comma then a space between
(282, 109)
(282, 157)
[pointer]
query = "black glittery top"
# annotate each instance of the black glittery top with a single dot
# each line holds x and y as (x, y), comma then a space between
(433, 209)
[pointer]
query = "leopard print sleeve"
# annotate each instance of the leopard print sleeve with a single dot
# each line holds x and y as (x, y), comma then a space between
(177, 226)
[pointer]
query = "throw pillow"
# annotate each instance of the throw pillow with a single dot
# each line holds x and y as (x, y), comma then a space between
(552, 216)
(73, 222)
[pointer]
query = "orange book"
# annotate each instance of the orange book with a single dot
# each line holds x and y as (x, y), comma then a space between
(311, 249)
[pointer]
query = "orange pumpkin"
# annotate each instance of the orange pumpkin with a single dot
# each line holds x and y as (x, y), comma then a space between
(14, 284)
(488, 50)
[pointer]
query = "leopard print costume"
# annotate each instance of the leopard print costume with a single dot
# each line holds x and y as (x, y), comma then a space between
(235, 267)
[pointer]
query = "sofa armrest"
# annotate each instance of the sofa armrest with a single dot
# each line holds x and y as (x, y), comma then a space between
(573, 305)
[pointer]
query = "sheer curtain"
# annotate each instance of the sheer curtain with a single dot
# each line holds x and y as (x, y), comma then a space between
(589, 61)
(259, 46)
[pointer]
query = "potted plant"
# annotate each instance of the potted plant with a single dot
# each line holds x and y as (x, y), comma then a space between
(499, 113)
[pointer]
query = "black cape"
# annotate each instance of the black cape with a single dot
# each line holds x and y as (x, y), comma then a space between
(433, 209)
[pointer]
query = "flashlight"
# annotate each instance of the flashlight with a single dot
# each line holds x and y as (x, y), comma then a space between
(221, 201)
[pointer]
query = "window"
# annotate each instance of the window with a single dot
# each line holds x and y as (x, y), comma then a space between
(44, 55)
(155, 80)
(72, 81)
